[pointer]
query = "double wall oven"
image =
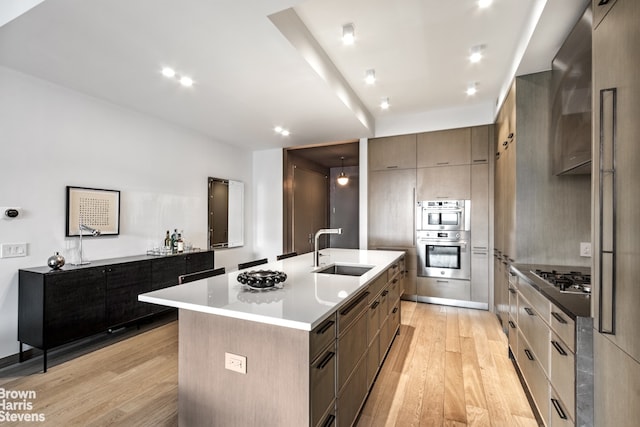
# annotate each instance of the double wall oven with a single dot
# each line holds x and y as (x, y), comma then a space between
(442, 239)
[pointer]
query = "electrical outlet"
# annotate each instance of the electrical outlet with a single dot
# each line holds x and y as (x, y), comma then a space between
(235, 362)
(13, 250)
(585, 249)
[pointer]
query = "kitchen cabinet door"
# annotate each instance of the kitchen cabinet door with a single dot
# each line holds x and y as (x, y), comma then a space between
(480, 232)
(444, 148)
(616, 238)
(392, 208)
(444, 183)
(393, 152)
(198, 261)
(481, 137)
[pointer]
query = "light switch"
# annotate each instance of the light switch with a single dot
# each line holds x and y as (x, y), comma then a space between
(13, 250)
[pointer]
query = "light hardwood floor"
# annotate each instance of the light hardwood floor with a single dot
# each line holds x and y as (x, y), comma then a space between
(448, 367)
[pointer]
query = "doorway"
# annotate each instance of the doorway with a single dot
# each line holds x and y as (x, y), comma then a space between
(313, 199)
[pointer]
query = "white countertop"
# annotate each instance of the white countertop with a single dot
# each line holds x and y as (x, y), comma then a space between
(303, 302)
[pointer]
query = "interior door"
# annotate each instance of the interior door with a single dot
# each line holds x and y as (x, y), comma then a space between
(309, 207)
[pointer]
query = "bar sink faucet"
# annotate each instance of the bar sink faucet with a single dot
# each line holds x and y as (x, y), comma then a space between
(316, 251)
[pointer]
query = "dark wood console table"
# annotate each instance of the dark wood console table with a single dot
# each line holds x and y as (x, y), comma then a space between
(56, 307)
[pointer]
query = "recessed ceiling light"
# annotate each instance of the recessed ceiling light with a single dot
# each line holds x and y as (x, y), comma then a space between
(475, 53)
(370, 76)
(278, 129)
(384, 104)
(285, 132)
(348, 34)
(282, 131)
(168, 72)
(186, 81)
(484, 3)
(472, 89)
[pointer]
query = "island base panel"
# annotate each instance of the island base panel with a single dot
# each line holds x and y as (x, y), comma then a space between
(273, 392)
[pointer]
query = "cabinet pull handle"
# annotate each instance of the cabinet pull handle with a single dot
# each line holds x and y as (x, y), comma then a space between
(559, 317)
(505, 143)
(354, 304)
(329, 421)
(325, 360)
(603, 2)
(479, 160)
(394, 281)
(558, 408)
(392, 167)
(558, 347)
(442, 281)
(395, 310)
(325, 327)
(442, 163)
(529, 355)
(606, 235)
(513, 325)
(385, 293)
(375, 305)
(529, 311)
(513, 291)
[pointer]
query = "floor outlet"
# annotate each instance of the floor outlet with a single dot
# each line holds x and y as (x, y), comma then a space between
(235, 362)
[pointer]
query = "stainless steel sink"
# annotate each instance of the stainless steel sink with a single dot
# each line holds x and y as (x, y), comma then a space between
(345, 269)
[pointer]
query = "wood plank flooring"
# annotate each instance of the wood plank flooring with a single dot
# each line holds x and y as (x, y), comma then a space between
(448, 367)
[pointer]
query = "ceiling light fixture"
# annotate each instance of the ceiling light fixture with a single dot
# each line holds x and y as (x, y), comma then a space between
(343, 179)
(168, 72)
(472, 89)
(186, 81)
(484, 3)
(282, 131)
(384, 104)
(475, 53)
(348, 34)
(370, 76)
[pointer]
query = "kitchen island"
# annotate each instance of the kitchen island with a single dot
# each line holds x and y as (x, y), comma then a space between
(303, 353)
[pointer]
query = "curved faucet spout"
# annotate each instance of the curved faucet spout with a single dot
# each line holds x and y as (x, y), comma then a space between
(316, 252)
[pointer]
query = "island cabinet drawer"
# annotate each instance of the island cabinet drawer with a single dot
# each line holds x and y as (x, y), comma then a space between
(535, 331)
(563, 377)
(323, 383)
(373, 360)
(322, 335)
(348, 313)
(352, 397)
(513, 337)
(444, 288)
(376, 286)
(352, 346)
(394, 290)
(534, 377)
(373, 321)
(393, 270)
(564, 326)
(538, 301)
(328, 419)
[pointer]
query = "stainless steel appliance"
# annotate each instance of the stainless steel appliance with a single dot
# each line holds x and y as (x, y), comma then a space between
(443, 215)
(567, 282)
(443, 254)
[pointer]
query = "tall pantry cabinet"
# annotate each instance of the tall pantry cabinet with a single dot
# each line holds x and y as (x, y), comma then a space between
(615, 233)
(391, 195)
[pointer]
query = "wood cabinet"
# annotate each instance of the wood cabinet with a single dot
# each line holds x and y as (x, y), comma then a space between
(444, 148)
(393, 152)
(481, 143)
(616, 240)
(56, 307)
(446, 182)
(480, 232)
(392, 208)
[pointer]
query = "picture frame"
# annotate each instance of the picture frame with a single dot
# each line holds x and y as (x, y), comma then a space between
(94, 208)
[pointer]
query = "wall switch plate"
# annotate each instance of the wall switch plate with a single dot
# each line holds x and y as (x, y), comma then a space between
(235, 362)
(585, 249)
(13, 250)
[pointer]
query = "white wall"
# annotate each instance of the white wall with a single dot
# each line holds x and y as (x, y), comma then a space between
(268, 208)
(51, 137)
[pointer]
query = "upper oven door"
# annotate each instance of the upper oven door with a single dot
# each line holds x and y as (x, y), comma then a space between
(442, 215)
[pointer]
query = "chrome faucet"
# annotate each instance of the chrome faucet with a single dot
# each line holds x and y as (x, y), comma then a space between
(316, 252)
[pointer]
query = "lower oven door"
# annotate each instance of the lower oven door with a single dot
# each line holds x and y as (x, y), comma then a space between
(437, 258)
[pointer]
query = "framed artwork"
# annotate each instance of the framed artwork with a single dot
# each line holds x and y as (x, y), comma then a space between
(92, 208)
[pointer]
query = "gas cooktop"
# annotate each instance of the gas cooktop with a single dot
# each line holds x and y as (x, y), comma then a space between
(568, 282)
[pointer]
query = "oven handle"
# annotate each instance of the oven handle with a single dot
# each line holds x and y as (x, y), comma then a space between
(462, 243)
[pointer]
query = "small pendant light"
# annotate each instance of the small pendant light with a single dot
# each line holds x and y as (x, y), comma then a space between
(343, 179)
